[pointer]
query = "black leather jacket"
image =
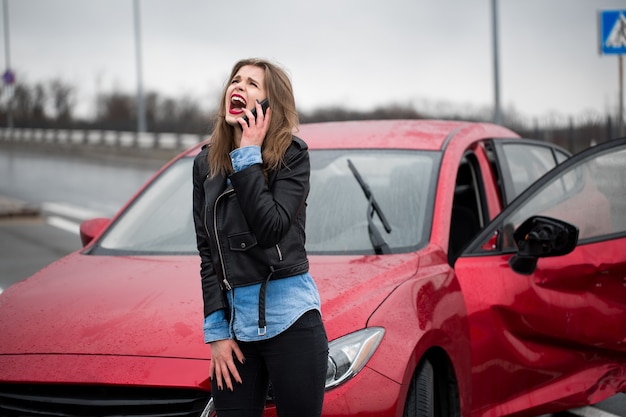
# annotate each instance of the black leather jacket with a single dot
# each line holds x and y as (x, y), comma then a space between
(252, 230)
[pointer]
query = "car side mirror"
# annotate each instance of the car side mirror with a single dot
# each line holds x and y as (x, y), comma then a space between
(91, 228)
(541, 237)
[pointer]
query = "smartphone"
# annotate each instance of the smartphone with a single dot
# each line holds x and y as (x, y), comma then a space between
(264, 105)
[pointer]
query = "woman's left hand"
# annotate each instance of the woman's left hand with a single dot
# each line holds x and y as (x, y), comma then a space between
(254, 134)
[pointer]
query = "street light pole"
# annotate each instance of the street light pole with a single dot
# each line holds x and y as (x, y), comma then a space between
(141, 110)
(497, 113)
(620, 78)
(7, 60)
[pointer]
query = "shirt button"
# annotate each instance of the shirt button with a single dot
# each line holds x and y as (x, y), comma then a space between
(243, 245)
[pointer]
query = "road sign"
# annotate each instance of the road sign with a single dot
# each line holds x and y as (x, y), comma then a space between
(8, 77)
(613, 32)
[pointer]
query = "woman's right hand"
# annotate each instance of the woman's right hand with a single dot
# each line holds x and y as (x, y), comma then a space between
(223, 365)
(253, 134)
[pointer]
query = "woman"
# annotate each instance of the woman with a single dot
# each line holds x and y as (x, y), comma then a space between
(261, 305)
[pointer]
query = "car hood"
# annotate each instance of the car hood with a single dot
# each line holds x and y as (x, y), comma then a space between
(85, 304)
(351, 288)
(152, 306)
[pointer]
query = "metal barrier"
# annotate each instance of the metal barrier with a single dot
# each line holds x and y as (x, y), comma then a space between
(101, 138)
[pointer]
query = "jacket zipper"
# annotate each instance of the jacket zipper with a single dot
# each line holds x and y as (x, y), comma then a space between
(206, 228)
(217, 239)
(280, 254)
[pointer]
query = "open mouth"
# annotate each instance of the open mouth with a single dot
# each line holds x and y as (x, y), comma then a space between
(237, 104)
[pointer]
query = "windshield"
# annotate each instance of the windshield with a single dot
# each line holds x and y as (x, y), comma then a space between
(338, 209)
(159, 220)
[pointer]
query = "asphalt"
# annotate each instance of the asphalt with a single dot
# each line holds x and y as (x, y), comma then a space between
(150, 157)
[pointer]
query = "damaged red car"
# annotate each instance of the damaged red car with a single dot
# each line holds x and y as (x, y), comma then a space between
(463, 270)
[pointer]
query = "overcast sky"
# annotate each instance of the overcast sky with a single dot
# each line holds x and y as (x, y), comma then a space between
(358, 54)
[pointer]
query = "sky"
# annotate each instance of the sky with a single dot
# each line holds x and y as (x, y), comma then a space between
(356, 54)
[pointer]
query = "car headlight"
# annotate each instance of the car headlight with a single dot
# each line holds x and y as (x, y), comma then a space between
(349, 354)
(209, 410)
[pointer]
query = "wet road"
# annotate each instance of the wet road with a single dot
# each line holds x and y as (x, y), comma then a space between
(98, 184)
(71, 189)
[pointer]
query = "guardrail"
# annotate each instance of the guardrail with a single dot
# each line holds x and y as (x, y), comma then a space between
(101, 138)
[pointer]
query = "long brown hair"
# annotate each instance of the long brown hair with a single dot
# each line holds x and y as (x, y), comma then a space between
(279, 135)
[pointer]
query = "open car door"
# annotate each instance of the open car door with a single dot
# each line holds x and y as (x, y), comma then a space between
(545, 288)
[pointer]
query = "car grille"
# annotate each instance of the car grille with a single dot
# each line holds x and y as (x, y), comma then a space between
(78, 400)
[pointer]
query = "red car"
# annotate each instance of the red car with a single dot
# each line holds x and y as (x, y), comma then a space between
(463, 271)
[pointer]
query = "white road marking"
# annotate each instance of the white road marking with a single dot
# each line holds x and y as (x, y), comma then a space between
(590, 412)
(68, 217)
(71, 211)
(64, 224)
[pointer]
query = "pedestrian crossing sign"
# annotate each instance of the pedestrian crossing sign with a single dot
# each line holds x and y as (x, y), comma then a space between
(613, 32)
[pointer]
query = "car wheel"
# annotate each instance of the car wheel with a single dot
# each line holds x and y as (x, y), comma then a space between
(420, 401)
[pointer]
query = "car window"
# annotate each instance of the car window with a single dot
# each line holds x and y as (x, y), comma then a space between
(590, 195)
(468, 210)
(402, 182)
(560, 156)
(526, 163)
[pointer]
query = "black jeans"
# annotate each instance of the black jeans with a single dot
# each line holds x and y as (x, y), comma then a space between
(294, 362)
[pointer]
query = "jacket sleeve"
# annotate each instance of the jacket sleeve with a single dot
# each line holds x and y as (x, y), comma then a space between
(271, 210)
(211, 292)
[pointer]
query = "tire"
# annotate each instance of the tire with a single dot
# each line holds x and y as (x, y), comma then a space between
(420, 401)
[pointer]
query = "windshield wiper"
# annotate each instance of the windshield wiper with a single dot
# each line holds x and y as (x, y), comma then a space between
(378, 242)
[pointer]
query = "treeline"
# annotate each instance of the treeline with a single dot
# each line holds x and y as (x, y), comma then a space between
(52, 104)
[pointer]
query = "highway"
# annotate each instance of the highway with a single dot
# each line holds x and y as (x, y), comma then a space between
(45, 196)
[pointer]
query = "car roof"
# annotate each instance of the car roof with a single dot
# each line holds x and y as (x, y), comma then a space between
(432, 135)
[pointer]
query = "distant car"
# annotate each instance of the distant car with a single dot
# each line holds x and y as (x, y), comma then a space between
(463, 271)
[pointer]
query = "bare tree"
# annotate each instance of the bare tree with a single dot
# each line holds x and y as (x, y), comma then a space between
(63, 101)
(115, 109)
(22, 103)
(40, 99)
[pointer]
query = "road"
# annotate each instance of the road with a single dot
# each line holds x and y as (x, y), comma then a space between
(67, 190)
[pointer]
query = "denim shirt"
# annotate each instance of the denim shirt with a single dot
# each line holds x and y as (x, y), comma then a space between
(286, 299)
